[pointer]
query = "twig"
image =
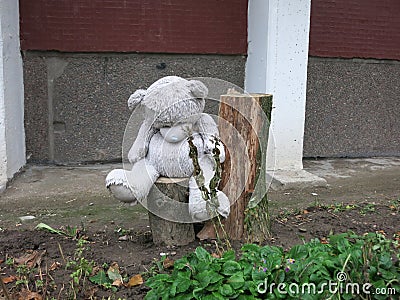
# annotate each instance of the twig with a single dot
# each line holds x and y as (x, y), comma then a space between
(217, 248)
(280, 222)
(210, 196)
(61, 251)
(44, 288)
(302, 223)
(5, 289)
(59, 294)
(335, 215)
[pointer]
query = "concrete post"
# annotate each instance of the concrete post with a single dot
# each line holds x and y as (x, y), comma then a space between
(12, 135)
(278, 32)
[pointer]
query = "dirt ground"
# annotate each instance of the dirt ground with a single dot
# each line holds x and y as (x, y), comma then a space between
(363, 195)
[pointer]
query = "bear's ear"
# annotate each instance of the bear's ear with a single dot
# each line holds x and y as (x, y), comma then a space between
(198, 89)
(136, 98)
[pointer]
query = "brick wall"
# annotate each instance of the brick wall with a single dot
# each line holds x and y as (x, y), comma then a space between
(355, 28)
(171, 26)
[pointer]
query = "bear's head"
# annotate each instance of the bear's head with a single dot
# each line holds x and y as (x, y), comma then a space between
(171, 101)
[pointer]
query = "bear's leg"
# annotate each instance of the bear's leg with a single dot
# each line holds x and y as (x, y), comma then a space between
(130, 186)
(117, 183)
(197, 205)
(142, 178)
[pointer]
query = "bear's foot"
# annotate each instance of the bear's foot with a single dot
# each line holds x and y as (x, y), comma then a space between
(198, 206)
(117, 183)
(122, 193)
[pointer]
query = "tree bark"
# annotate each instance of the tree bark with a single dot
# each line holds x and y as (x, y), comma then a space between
(164, 214)
(243, 126)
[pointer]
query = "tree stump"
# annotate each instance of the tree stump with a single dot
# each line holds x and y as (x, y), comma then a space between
(164, 204)
(244, 131)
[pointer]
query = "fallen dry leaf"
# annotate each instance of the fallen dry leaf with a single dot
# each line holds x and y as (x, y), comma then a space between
(114, 274)
(114, 267)
(55, 265)
(168, 263)
(324, 241)
(28, 295)
(89, 293)
(215, 255)
(397, 238)
(117, 282)
(25, 258)
(135, 280)
(30, 259)
(305, 211)
(1, 261)
(8, 279)
(123, 238)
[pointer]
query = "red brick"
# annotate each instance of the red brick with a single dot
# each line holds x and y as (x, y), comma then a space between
(171, 26)
(355, 28)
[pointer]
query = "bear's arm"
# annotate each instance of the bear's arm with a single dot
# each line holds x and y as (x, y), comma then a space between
(208, 129)
(207, 126)
(140, 146)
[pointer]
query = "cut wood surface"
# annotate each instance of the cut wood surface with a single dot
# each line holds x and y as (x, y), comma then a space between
(243, 125)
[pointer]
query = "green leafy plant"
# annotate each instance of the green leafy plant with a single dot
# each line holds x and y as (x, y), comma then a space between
(110, 279)
(80, 266)
(104, 280)
(23, 275)
(395, 205)
(72, 231)
(367, 208)
(43, 226)
(69, 231)
(156, 267)
(339, 207)
(121, 231)
(345, 260)
(10, 261)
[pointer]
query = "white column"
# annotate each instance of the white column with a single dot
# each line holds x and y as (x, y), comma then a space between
(12, 134)
(278, 36)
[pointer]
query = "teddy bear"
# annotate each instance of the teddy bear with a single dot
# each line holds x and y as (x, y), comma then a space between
(173, 109)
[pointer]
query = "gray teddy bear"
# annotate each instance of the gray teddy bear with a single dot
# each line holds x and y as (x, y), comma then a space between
(173, 111)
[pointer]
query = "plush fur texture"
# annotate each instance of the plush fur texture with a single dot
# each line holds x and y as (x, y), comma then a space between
(174, 110)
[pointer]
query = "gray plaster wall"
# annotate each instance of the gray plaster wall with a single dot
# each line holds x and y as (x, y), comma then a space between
(352, 108)
(76, 104)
